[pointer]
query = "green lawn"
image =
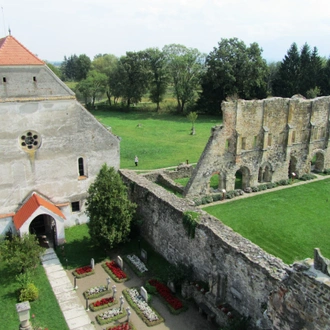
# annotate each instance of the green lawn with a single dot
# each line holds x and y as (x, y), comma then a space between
(45, 308)
(287, 223)
(159, 140)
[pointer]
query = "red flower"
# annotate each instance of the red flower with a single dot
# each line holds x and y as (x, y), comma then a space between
(103, 301)
(116, 270)
(166, 293)
(84, 270)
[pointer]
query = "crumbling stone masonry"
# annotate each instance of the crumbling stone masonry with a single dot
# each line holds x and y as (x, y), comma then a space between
(240, 274)
(265, 141)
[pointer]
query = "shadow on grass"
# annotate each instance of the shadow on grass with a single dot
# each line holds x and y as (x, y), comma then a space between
(79, 253)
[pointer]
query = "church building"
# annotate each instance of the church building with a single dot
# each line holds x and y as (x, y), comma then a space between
(51, 148)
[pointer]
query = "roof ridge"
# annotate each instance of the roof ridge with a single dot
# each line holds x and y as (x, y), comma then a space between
(12, 52)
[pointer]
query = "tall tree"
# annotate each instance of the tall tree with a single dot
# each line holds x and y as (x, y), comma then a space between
(159, 78)
(75, 67)
(130, 78)
(106, 64)
(286, 83)
(108, 208)
(233, 70)
(186, 66)
(93, 86)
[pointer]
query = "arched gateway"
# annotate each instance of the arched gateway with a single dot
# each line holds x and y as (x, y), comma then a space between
(43, 218)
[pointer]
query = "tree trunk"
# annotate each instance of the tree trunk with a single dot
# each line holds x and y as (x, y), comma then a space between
(109, 97)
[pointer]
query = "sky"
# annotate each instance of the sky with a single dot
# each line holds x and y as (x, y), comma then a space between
(52, 29)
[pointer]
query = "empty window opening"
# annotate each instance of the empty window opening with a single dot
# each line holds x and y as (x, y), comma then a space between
(243, 143)
(269, 140)
(34, 78)
(4, 79)
(81, 166)
(255, 142)
(75, 206)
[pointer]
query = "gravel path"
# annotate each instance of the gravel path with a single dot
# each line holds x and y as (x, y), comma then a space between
(189, 320)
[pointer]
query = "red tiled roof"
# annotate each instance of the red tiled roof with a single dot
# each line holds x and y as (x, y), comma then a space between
(30, 206)
(13, 52)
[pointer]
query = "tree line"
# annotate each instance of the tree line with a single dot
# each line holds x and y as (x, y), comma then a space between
(199, 82)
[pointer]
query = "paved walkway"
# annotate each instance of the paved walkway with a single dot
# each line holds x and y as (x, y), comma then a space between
(74, 313)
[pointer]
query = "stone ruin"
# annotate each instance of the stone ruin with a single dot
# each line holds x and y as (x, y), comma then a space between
(264, 141)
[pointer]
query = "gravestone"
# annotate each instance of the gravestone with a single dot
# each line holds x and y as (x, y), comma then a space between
(92, 263)
(144, 293)
(144, 255)
(120, 262)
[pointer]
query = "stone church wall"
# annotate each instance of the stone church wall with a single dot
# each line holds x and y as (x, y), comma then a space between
(238, 272)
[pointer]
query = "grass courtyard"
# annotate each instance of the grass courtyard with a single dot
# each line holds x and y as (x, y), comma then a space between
(287, 223)
(159, 140)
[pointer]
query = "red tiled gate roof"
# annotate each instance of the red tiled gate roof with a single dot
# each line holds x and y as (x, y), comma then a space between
(12, 52)
(30, 206)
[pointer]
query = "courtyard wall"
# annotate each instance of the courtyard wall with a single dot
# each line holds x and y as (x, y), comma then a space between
(239, 272)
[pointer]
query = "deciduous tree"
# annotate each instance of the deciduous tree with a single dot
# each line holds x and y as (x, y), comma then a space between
(109, 210)
(21, 254)
(186, 66)
(233, 69)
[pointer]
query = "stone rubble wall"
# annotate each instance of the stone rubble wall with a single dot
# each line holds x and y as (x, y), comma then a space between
(284, 134)
(239, 272)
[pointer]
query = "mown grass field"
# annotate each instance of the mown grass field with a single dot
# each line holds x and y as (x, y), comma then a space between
(287, 223)
(159, 140)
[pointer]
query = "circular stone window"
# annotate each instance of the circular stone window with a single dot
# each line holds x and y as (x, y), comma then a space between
(30, 140)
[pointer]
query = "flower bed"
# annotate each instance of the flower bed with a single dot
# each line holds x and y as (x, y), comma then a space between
(174, 303)
(148, 315)
(115, 272)
(110, 315)
(83, 271)
(138, 266)
(123, 326)
(102, 303)
(96, 291)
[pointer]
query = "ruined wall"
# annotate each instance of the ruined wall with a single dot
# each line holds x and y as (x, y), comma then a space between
(266, 140)
(239, 272)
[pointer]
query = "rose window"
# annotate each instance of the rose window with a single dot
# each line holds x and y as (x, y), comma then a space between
(30, 140)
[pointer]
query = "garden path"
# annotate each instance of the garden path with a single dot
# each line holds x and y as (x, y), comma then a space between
(247, 195)
(189, 320)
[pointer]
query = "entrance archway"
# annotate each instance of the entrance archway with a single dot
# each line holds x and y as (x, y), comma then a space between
(292, 166)
(44, 227)
(265, 173)
(242, 178)
(318, 162)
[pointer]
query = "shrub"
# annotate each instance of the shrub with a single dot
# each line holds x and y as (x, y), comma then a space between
(262, 187)
(197, 202)
(248, 190)
(284, 182)
(209, 199)
(204, 200)
(230, 194)
(326, 171)
(216, 197)
(150, 288)
(255, 189)
(271, 185)
(307, 176)
(30, 293)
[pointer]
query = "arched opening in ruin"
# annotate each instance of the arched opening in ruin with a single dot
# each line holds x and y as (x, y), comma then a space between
(44, 227)
(317, 164)
(214, 182)
(242, 178)
(292, 166)
(265, 173)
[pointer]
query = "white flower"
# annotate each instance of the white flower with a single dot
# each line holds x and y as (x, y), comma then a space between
(135, 260)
